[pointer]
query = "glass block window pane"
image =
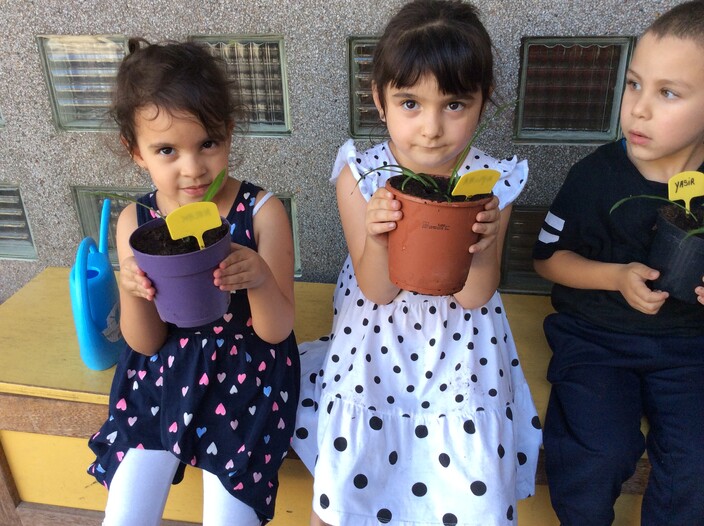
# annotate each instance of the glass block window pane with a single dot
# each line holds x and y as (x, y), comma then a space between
(80, 73)
(257, 63)
(89, 203)
(364, 119)
(570, 88)
(15, 236)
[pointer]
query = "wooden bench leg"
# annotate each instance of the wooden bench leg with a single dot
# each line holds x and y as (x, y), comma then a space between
(9, 497)
(14, 512)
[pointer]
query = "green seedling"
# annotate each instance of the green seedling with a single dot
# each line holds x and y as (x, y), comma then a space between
(192, 219)
(473, 183)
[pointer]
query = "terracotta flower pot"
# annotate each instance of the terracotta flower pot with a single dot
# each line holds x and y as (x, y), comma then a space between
(185, 293)
(428, 250)
(680, 260)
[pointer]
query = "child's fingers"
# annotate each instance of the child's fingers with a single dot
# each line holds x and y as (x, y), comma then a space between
(481, 245)
(651, 302)
(488, 217)
(636, 291)
(492, 204)
(233, 257)
(486, 229)
(382, 215)
(381, 228)
(491, 212)
(383, 193)
(699, 291)
(383, 200)
(147, 290)
(139, 286)
(380, 221)
(383, 211)
(134, 280)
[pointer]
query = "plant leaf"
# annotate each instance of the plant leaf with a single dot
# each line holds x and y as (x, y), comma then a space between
(696, 232)
(120, 197)
(215, 185)
(656, 198)
(454, 177)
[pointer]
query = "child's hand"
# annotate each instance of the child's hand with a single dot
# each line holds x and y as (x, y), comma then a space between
(244, 268)
(634, 289)
(700, 293)
(382, 213)
(487, 226)
(134, 280)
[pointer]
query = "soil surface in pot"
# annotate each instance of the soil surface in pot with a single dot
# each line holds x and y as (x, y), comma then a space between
(681, 219)
(158, 242)
(417, 189)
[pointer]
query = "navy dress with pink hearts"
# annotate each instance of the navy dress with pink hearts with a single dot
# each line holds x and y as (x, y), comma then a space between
(216, 396)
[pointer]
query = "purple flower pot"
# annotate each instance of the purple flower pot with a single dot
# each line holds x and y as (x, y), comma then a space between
(185, 293)
(679, 259)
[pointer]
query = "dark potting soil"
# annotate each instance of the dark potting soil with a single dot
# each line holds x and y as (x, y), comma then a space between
(417, 189)
(158, 242)
(678, 217)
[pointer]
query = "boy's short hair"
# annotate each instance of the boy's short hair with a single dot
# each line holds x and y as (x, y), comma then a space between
(683, 21)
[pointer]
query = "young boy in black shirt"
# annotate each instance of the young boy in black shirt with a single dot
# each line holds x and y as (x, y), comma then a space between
(620, 349)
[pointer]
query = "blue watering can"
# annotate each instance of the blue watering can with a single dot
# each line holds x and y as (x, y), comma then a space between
(95, 300)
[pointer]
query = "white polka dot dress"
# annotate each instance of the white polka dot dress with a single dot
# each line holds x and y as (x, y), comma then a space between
(416, 412)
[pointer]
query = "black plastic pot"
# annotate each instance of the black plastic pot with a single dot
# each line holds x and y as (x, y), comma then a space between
(680, 260)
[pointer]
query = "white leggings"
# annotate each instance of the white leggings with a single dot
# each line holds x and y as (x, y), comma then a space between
(141, 485)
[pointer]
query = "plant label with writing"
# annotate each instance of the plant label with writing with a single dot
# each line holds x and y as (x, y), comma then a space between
(685, 186)
(193, 219)
(476, 182)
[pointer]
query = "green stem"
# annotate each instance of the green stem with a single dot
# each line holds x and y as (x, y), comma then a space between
(454, 177)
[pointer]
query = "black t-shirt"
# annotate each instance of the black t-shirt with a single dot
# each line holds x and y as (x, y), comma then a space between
(579, 221)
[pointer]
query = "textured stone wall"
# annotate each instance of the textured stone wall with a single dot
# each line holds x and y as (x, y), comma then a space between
(45, 162)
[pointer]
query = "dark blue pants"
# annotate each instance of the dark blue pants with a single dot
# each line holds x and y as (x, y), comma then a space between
(602, 383)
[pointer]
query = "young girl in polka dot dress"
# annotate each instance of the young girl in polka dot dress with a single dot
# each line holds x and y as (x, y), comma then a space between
(222, 396)
(415, 410)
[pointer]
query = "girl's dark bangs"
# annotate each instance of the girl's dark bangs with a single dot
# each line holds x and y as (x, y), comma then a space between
(456, 70)
(197, 103)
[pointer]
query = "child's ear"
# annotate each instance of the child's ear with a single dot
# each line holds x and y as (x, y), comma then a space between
(377, 102)
(134, 152)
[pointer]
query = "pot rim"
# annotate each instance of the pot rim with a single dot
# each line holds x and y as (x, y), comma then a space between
(157, 222)
(452, 204)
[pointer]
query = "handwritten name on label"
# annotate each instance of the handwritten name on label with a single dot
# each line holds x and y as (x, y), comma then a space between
(192, 220)
(686, 186)
(682, 184)
(477, 182)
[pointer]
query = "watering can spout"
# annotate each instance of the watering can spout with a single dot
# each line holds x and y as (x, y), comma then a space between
(95, 300)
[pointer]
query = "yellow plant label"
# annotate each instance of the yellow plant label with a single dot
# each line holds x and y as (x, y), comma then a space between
(476, 182)
(685, 186)
(192, 220)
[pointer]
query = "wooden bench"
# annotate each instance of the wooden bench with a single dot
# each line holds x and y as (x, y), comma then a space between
(50, 403)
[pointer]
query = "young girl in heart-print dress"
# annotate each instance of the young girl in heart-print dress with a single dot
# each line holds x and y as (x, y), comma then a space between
(222, 396)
